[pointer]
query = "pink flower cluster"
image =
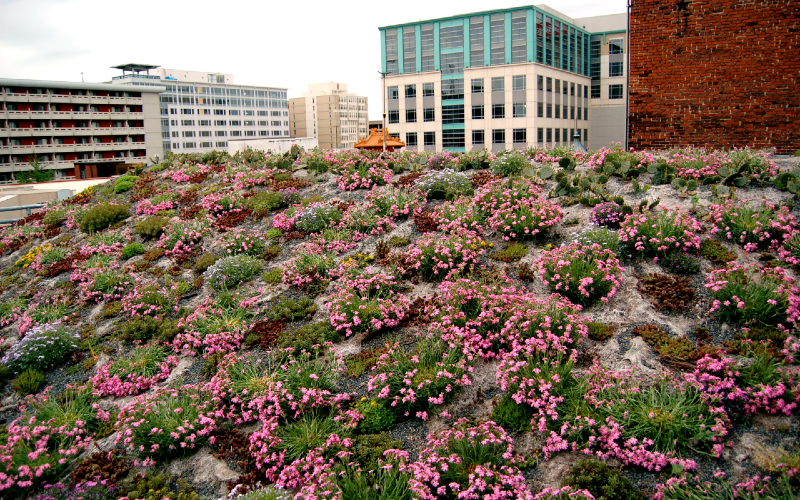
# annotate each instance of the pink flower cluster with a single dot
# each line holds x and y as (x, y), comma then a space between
(367, 304)
(581, 272)
(766, 227)
(660, 231)
(364, 176)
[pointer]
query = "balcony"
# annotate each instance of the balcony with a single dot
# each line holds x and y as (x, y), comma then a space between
(70, 131)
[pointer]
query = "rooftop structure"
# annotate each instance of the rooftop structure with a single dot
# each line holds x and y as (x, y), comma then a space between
(377, 141)
(330, 113)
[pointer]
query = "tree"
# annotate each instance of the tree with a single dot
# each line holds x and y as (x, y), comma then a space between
(38, 172)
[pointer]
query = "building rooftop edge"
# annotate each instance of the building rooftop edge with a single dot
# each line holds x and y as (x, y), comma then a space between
(545, 7)
(79, 85)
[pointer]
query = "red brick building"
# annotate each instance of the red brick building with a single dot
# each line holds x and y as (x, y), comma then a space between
(715, 73)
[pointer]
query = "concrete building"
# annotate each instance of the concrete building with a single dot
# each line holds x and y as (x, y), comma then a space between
(337, 118)
(507, 78)
(77, 129)
(201, 111)
(278, 146)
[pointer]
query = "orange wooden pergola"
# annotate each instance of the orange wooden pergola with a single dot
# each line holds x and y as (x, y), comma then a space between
(375, 141)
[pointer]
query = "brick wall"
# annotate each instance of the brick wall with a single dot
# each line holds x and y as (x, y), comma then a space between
(715, 73)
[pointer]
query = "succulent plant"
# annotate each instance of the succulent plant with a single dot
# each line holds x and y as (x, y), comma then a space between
(685, 188)
(662, 173)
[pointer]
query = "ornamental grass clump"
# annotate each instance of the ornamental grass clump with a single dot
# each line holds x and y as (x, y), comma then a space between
(145, 367)
(756, 228)
(469, 462)
(583, 274)
(229, 272)
(660, 231)
(42, 348)
(102, 216)
(367, 304)
(754, 295)
(444, 184)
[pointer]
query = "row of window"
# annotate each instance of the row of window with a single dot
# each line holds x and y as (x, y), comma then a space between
(193, 145)
(188, 89)
(498, 84)
(221, 123)
(455, 113)
(456, 138)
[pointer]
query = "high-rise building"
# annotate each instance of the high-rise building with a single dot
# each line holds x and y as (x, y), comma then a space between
(504, 79)
(337, 118)
(199, 111)
(75, 128)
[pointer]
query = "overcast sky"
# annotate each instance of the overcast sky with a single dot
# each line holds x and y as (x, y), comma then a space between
(282, 43)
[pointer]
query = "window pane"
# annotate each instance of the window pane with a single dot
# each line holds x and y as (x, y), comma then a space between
(430, 138)
(615, 91)
(411, 91)
(498, 110)
(427, 89)
(520, 110)
(520, 135)
(615, 69)
(430, 115)
(392, 67)
(498, 39)
(476, 42)
(519, 37)
(394, 93)
(411, 116)
(452, 63)
(498, 84)
(453, 114)
(453, 89)
(518, 82)
(426, 43)
(498, 136)
(616, 46)
(452, 138)
(477, 112)
(478, 138)
(409, 51)
(451, 37)
(477, 85)
(411, 139)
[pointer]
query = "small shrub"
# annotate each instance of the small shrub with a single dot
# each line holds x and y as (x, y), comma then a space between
(670, 292)
(671, 348)
(102, 216)
(581, 273)
(509, 163)
(28, 382)
(154, 254)
(306, 337)
(444, 184)
(146, 328)
(132, 249)
(603, 482)
(264, 202)
(152, 227)
(512, 252)
(292, 310)
(204, 262)
(273, 276)
(512, 415)
(660, 231)
(600, 331)
(715, 252)
(124, 183)
(377, 417)
(681, 263)
(399, 241)
(764, 227)
(228, 272)
(42, 348)
(608, 214)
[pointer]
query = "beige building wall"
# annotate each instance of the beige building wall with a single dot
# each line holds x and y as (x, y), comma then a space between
(337, 118)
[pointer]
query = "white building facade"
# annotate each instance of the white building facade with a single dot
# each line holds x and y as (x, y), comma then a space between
(201, 111)
(336, 117)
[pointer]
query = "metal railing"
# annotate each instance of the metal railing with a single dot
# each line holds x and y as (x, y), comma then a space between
(27, 209)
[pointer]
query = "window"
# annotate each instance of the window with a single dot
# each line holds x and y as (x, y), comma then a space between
(498, 136)
(558, 135)
(187, 111)
(219, 133)
(429, 115)
(451, 37)
(476, 42)
(188, 133)
(411, 116)
(518, 82)
(165, 122)
(520, 110)
(427, 89)
(615, 69)
(429, 138)
(615, 91)
(205, 133)
(558, 111)
(453, 138)
(394, 93)
(477, 85)
(549, 84)
(478, 137)
(236, 123)
(452, 64)
(549, 110)
(540, 109)
(411, 91)
(549, 133)
(222, 144)
(616, 46)
(497, 27)
(540, 82)
(394, 116)
(572, 112)
(498, 110)
(584, 92)
(205, 123)
(219, 111)
(250, 133)
(189, 145)
(572, 89)
(236, 133)
(558, 86)
(249, 123)
(564, 88)
(540, 135)
(477, 112)
(499, 84)
(519, 37)
(585, 113)
(392, 66)
(409, 51)
(520, 135)
(453, 89)
(262, 123)
(427, 46)
(411, 139)
(453, 114)
(596, 89)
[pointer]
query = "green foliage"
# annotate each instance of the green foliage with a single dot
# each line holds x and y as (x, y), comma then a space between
(291, 310)
(685, 188)
(512, 252)
(52, 256)
(368, 449)
(715, 252)
(678, 349)
(304, 338)
(228, 272)
(603, 482)
(317, 217)
(303, 435)
(603, 236)
(205, 261)
(273, 276)
(600, 331)
(146, 328)
(54, 217)
(664, 173)
(132, 249)
(263, 494)
(28, 382)
(264, 202)
(399, 241)
(512, 415)
(510, 163)
(124, 183)
(152, 227)
(152, 486)
(38, 172)
(102, 216)
(377, 417)
(42, 348)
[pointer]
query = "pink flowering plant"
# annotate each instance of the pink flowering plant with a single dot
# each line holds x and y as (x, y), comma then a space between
(766, 227)
(617, 161)
(458, 216)
(367, 304)
(46, 308)
(413, 382)
(750, 488)
(145, 367)
(436, 257)
(365, 220)
(182, 238)
(147, 298)
(165, 423)
(608, 214)
(241, 241)
(658, 231)
(754, 295)
(310, 263)
(582, 273)
(158, 203)
(469, 462)
(395, 202)
(527, 218)
(363, 175)
(444, 184)
(210, 329)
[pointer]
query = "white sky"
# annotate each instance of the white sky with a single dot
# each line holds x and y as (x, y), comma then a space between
(282, 43)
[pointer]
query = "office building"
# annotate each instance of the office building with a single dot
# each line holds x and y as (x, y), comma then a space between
(77, 129)
(503, 79)
(337, 118)
(200, 111)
